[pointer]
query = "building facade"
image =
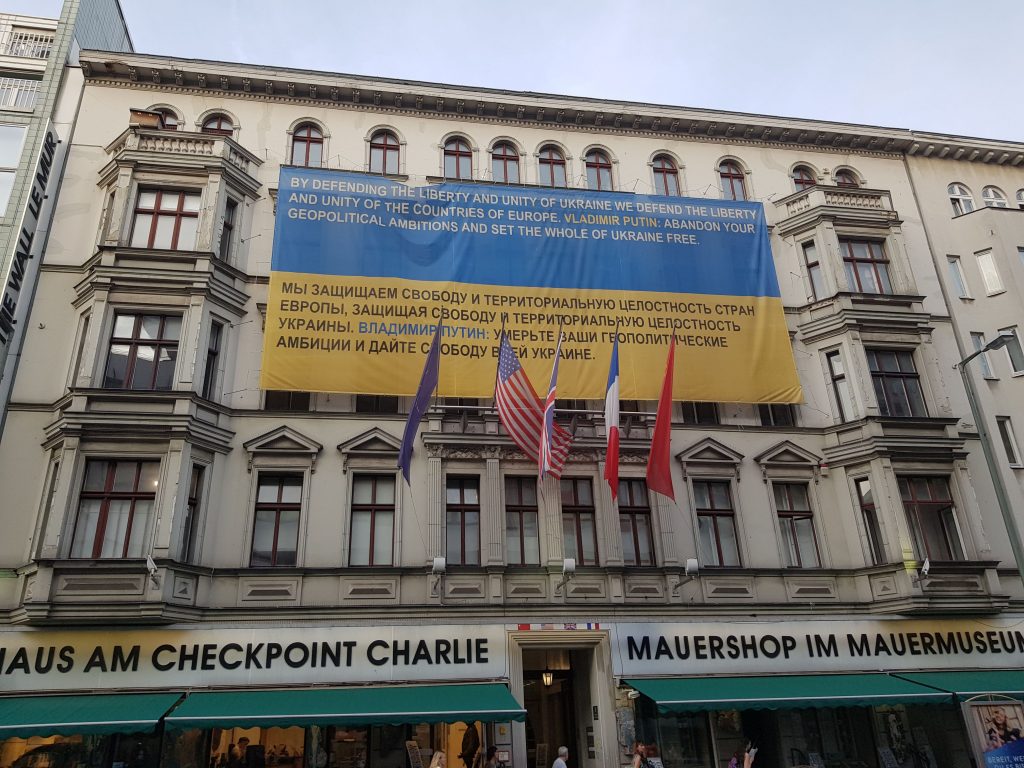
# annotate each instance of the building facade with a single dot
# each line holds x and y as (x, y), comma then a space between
(241, 556)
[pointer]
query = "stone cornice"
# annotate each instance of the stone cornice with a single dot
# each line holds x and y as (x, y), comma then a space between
(514, 108)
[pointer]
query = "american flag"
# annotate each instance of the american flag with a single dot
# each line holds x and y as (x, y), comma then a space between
(548, 424)
(520, 412)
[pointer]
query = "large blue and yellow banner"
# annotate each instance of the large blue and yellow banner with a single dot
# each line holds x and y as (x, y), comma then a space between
(365, 267)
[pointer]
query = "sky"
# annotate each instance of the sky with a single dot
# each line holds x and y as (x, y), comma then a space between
(932, 65)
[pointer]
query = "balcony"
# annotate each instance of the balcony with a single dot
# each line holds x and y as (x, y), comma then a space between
(849, 205)
(18, 93)
(26, 44)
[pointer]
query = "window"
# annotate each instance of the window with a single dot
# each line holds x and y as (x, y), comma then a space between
(168, 118)
(1020, 198)
(30, 43)
(462, 525)
(211, 374)
(960, 198)
(989, 273)
(227, 234)
(373, 520)
(993, 197)
(777, 415)
(219, 125)
(699, 413)
(716, 523)
(845, 178)
(840, 386)
(956, 277)
(869, 517)
(308, 146)
(522, 529)
(551, 164)
(11, 140)
(281, 400)
(897, 385)
(114, 508)
(376, 404)
(796, 525)
(599, 170)
(867, 268)
(933, 523)
(165, 219)
(635, 523)
(814, 270)
(1013, 350)
(734, 185)
(458, 159)
(505, 164)
(190, 525)
(143, 352)
(579, 520)
(385, 152)
(666, 176)
(803, 178)
(275, 533)
(978, 340)
(1009, 438)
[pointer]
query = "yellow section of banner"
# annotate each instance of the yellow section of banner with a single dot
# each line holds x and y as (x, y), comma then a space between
(366, 335)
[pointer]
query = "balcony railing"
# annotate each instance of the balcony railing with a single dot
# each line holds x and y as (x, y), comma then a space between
(16, 92)
(32, 45)
(171, 142)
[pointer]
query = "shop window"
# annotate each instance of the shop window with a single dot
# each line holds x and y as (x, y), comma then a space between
(960, 198)
(522, 527)
(635, 523)
(777, 415)
(190, 525)
(579, 520)
(845, 178)
(373, 520)
(505, 164)
(933, 523)
(275, 534)
(796, 525)
(840, 386)
(462, 521)
(307, 146)
(990, 273)
(376, 404)
(551, 167)
(956, 277)
(458, 160)
(1014, 353)
(114, 508)
(867, 268)
(599, 170)
(699, 413)
(284, 400)
(993, 197)
(716, 523)
(813, 264)
(211, 373)
(165, 219)
(896, 382)
(978, 341)
(256, 748)
(869, 519)
(227, 234)
(803, 178)
(218, 125)
(733, 180)
(385, 153)
(666, 176)
(143, 352)
(1009, 440)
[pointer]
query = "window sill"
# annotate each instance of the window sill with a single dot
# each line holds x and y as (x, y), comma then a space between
(995, 293)
(1016, 374)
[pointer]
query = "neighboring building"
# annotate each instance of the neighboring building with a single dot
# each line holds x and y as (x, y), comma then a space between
(287, 553)
(39, 95)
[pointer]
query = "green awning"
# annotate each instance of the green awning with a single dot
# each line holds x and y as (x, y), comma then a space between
(394, 705)
(691, 694)
(1008, 682)
(103, 713)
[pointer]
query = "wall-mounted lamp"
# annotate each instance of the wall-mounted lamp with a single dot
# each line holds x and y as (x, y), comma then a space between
(568, 572)
(690, 572)
(547, 677)
(437, 570)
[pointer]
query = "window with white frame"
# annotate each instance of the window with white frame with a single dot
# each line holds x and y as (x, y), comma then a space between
(1009, 438)
(978, 340)
(1013, 350)
(718, 543)
(932, 516)
(989, 273)
(840, 385)
(796, 525)
(869, 519)
(114, 508)
(373, 520)
(960, 198)
(813, 264)
(956, 277)
(143, 352)
(993, 197)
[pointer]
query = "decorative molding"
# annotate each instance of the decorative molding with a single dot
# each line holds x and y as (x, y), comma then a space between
(283, 441)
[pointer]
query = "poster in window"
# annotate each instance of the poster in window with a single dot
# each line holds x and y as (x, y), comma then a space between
(994, 728)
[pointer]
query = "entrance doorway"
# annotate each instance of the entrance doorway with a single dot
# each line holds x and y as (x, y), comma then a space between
(556, 696)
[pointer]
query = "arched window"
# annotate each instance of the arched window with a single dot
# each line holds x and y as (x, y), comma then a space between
(666, 176)
(960, 198)
(168, 118)
(1020, 199)
(803, 178)
(505, 164)
(993, 197)
(552, 167)
(218, 124)
(845, 178)
(385, 152)
(308, 146)
(599, 170)
(734, 185)
(458, 159)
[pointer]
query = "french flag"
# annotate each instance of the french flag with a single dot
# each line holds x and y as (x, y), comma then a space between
(611, 422)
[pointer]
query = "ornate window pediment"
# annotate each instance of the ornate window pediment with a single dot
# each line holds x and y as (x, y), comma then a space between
(284, 442)
(788, 459)
(373, 444)
(709, 455)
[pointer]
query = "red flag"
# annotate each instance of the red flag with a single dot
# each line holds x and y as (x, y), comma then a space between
(659, 463)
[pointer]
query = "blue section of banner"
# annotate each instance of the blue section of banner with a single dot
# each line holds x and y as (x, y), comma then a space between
(337, 223)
